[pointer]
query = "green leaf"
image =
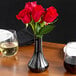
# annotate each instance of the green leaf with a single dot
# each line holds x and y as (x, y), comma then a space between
(46, 29)
(54, 21)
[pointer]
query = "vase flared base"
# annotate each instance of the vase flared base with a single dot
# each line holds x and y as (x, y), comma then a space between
(35, 70)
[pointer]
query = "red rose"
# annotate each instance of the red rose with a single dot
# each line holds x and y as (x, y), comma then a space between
(37, 12)
(21, 14)
(26, 18)
(50, 15)
(30, 5)
(24, 15)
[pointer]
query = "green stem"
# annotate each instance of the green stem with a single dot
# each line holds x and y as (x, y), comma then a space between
(36, 28)
(32, 26)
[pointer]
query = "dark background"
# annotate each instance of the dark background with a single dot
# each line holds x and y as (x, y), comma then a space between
(65, 29)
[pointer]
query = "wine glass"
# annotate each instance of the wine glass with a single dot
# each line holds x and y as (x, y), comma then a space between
(8, 43)
(70, 57)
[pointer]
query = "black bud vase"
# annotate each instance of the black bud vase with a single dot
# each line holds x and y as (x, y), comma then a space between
(38, 63)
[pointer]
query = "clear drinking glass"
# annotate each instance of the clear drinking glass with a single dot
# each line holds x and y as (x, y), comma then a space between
(70, 57)
(8, 43)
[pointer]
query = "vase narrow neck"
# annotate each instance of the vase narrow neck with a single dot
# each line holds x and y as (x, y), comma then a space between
(38, 44)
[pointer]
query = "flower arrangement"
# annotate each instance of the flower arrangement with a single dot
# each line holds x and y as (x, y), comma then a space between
(40, 20)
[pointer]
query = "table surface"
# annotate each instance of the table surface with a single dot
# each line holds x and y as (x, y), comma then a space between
(17, 66)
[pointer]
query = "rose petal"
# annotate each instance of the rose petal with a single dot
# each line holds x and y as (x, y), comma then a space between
(50, 14)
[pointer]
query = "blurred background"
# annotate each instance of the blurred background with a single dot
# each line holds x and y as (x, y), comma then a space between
(64, 31)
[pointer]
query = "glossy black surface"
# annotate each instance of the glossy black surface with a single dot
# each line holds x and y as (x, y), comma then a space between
(38, 63)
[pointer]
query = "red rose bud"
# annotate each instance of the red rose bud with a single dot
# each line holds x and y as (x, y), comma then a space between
(24, 15)
(21, 14)
(30, 5)
(50, 15)
(26, 18)
(37, 12)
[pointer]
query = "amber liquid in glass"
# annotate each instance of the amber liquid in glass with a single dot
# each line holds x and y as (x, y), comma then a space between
(9, 48)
